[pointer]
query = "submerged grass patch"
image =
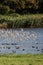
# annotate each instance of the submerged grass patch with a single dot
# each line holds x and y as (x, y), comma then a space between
(24, 21)
(26, 59)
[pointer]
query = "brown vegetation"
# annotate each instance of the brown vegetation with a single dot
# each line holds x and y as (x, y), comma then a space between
(4, 25)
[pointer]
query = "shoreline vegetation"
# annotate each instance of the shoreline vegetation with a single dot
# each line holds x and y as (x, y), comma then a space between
(21, 13)
(21, 21)
(25, 59)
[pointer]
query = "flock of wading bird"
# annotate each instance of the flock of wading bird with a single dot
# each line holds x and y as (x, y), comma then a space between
(17, 37)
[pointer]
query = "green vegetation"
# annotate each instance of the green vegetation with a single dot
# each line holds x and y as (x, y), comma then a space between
(21, 6)
(18, 21)
(21, 13)
(27, 59)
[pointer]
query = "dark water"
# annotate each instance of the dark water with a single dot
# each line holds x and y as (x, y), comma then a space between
(21, 41)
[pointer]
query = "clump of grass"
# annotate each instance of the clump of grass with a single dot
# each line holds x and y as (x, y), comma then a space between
(12, 64)
(30, 64)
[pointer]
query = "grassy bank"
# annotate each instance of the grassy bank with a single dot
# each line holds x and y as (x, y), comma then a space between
(27, 59)
(18, 21)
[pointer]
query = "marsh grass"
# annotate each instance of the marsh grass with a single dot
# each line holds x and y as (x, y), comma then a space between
(26, 59)
(24, 21)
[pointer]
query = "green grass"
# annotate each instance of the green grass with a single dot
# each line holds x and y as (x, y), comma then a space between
(14, 17)
(26, 59)
(16, 20)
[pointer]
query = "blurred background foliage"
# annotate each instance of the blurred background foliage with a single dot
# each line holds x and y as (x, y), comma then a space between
(21, 6)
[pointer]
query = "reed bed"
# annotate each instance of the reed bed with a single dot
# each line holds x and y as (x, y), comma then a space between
(21, 21)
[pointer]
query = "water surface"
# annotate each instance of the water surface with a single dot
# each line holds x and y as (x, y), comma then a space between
(21, 41)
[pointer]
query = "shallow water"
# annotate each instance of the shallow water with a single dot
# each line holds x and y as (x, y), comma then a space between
(21, 41)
